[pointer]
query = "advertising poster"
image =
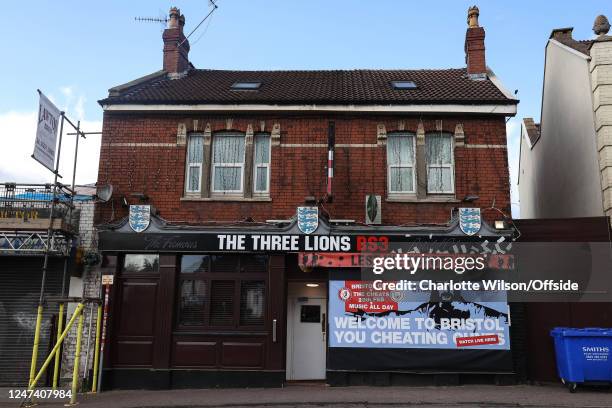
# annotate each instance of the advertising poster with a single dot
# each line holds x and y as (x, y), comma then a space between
(361, 316)
(46, 132)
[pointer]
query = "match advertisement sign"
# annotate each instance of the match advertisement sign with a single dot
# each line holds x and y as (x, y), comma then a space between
(46, 132)
(361, 316)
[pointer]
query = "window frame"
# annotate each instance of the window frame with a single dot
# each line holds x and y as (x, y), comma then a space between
(451, 165)
(209, 277)
(189, 165)
(214, 165)
(413, 166)
(267, 165)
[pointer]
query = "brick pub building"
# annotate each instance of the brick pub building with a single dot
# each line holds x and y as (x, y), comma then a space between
(210, 293)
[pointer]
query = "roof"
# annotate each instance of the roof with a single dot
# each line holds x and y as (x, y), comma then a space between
(532, 130)
(342, 87)
(564, 36)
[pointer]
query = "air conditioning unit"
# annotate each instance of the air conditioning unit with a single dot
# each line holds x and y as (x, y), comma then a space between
(373, 210)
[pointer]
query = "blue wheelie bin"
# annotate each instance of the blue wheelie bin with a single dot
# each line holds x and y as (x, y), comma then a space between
(583, 355)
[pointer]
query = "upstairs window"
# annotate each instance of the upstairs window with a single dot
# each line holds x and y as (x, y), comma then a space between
(401, 163)
(261, 164)
(228, 163)
(440, 163)
(195, 156)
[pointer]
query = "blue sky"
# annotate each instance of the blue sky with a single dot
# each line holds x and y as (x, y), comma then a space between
(75, 50)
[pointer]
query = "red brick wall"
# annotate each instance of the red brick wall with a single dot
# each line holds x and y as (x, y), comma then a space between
(296, 172)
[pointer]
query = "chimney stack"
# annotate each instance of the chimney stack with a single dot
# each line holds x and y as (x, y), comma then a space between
(176, 47)
(475, 46)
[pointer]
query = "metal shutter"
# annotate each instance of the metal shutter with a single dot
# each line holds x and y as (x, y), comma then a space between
(19, 290)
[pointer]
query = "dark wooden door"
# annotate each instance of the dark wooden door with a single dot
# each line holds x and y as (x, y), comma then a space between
(143, 307)
(134, 333)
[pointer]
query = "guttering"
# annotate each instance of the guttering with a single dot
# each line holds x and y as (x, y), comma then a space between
(494, 109)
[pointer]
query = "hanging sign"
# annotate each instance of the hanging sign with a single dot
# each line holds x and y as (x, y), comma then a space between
(46, 132)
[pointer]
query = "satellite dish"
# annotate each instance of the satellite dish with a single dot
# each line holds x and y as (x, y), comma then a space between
(104, 192)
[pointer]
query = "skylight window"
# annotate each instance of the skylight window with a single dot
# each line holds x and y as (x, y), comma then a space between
(403, 85)
(246, 85)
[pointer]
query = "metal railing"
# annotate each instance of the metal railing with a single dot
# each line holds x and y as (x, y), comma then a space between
(26, 225)
(29, 200)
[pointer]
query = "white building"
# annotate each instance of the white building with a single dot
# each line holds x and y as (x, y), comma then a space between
(565, 167)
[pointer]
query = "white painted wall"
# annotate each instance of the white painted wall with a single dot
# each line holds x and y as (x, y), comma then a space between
(563, 165)
(526, 177)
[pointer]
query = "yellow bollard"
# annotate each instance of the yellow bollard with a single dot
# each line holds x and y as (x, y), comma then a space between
(60, 328)
(58, 344)
(36, 341)
(94, 385)
(77, 359)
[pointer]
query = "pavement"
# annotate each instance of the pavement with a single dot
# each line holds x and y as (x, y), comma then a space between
(311, 396)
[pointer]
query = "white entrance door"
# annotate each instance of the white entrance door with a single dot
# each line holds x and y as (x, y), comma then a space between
(308, 326)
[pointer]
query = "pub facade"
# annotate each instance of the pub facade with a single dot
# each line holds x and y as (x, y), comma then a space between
(246, 204)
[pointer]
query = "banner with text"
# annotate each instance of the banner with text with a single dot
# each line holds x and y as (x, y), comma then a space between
(362, 316)
(46, 133)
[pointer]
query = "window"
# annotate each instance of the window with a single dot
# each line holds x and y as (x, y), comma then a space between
(403, 85)
(222, 291)
(254, 85)
(222, 303)
(261, 164)
(228, 163)
(400, 163)
(440, 163)
(195, 153)
(141, 263)
(192, 302)
(252, 303)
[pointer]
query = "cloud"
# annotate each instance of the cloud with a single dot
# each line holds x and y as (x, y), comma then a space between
(18, 131)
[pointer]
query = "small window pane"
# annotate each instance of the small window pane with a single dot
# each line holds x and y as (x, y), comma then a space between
(261, 179)
(252, 303)
(195, 263)
(246, 85)
(140, 263)
(193, 301)
(221, 303)
(225, 263)
(254, 263)
(400, 149)
(403, 84)
(310, 314)
(195, 150)
(439, 179)
(194, 178)
(439, 149)
(227, 178)
(401, 179)
(262, 149)
(228, 148)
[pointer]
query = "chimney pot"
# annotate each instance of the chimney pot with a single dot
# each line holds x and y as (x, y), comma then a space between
(473, 14)
(601, 25)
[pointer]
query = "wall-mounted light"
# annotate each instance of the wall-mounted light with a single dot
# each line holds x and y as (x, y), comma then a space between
(500, 224)
(470, 198)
